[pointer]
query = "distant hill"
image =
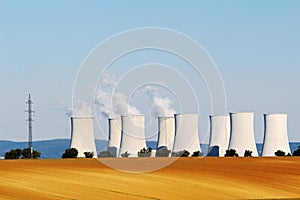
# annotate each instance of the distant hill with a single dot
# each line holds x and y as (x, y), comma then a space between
(48, 148)
(52, 148)
(55, 148)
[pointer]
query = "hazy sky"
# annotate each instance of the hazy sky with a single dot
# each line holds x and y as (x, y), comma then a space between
(255, 44)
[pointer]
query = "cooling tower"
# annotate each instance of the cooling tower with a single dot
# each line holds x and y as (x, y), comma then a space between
(186, 133)
(115, 133)
(82, 135)
(219, 135)
(242, 133)
(133, 134)
(276, 137)
(166, 127)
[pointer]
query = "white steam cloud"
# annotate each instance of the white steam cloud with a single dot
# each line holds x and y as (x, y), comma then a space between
(80, 109)
(113, 103)
(162, 105)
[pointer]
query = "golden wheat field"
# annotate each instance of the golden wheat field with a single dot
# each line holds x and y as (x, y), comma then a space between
(186, 178)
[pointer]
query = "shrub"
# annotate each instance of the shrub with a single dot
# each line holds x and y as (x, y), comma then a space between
(163, 152)
(24, 154)
(112, 151)
(13, 154)
(248, 153)
(70, 153)
(125, 155)
(89, 154)
(197, 154)
(297, 152)
(231, 153)
(174, 154)
(279, 153)
(145, 152)
(183, 153)
(105, 154)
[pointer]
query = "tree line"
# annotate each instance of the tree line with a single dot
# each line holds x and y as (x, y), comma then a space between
(144, 152)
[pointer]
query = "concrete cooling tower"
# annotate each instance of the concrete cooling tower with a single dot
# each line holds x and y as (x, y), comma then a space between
(186, 133)
(115, 133)
(133, 134)
(242, 133)
(276, 136)
(166, 127)
(219, 135)
(82, 135)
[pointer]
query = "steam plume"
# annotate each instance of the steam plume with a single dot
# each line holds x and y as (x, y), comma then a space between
(113, 104)
(162, 105)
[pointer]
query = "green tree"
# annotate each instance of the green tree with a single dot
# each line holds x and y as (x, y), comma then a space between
(125, 154)
(231, 153)
(105, 154)
(145, 152)
(248, 153)
(297, 152)
(197, 154)
(162, 152)
(13, 154)
(279, 153)
(183, 153)
(70, 153)
(26, 153)
(89, 154)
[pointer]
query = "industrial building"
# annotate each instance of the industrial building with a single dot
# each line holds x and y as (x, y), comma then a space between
(115, 132)
(133, 134)
(242, 133)
(82, 135)
(219, 135)
(178, 133)
(166, 134)
(275, 134)
(186, 133)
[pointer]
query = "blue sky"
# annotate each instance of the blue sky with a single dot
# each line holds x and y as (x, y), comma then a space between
(255, 45)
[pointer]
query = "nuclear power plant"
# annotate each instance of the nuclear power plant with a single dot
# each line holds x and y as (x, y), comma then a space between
(133, 135)
(82, 135)
(166, 132)
(186, 133)
(275, 134)
(178, 133)
(115, 133)
(219, 135)
(242, 133)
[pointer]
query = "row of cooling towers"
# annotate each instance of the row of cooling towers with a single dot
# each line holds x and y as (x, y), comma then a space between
(234, 131)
